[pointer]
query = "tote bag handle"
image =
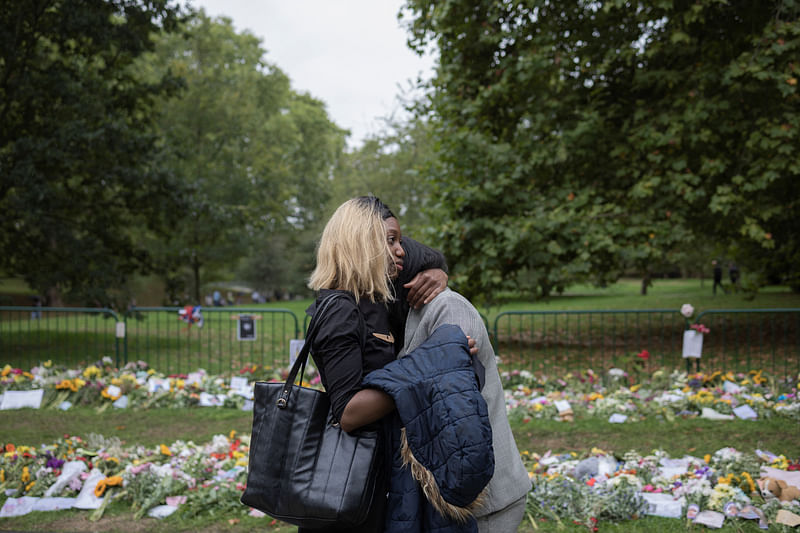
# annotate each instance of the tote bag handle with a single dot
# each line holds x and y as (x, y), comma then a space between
(302, 357)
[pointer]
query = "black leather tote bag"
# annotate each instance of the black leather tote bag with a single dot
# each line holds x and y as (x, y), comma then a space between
(304, 469)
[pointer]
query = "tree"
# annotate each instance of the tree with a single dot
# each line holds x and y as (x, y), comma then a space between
(390, 165)
(579, 139)
(78, 158)
(254, 154)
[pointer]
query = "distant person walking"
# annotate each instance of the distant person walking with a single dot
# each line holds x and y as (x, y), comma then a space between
(717, 277)
(733, 273)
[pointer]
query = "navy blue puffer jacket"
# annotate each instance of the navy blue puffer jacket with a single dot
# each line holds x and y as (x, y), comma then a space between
(444, 458)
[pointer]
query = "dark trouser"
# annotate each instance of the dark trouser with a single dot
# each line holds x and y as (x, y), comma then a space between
(721, 286)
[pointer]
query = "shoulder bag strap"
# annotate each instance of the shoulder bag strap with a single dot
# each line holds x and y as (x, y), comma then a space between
(302, 357)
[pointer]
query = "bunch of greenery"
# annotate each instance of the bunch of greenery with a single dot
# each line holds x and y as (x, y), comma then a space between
(580, 140)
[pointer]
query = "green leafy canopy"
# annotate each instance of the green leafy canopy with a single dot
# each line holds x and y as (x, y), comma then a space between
(578, 140)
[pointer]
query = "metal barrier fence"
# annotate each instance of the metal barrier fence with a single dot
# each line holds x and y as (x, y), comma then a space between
(751, 339)
(561, 341)
(68, 335)
(541, 341)
(740, 340)
(228, 339)
(157, 335)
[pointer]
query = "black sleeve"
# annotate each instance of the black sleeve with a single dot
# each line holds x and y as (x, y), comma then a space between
(418, 258)
(336, 350)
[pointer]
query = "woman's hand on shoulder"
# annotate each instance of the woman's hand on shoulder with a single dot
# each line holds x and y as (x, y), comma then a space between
(425, 286)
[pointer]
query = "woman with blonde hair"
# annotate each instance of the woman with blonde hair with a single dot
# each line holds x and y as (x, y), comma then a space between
(359, 257)
(354, 265)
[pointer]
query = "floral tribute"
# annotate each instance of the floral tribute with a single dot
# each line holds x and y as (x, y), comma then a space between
(604, 487)
(207, 479)
(193, 479)
(637, 395)
(138, 386)
(89, 473)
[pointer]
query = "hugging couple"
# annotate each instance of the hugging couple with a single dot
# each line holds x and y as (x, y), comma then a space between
(373, 352)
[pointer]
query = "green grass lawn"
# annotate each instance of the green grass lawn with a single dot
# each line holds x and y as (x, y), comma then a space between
(664, 294)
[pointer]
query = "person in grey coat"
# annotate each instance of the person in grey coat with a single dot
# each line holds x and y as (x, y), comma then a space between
(504, 506)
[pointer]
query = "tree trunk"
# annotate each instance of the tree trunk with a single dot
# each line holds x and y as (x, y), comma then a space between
(645, 283)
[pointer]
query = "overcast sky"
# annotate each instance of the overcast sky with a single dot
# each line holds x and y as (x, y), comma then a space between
(351, 54)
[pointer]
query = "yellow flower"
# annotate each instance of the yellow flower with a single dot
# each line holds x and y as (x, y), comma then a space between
(635, 387)
(116, 381)
(597, 451)
(101, 486)
(749, 479)
(91, 371)
(29, 486)
(780, 462)
(165, 450)
(707, 458)
(2, 475)
(26, 475)
(232, 434)
(6, 371)
(48, 363)
(150, 372)
(180, 384)
(28, 375)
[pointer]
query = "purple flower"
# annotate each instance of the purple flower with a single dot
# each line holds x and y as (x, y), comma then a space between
(54, 463)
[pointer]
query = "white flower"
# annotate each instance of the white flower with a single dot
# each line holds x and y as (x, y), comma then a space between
(616, 372)
(219, 444)
(687, 310)
(624, 478)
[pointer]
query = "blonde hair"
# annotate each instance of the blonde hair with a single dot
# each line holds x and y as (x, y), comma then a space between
(353, 254)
